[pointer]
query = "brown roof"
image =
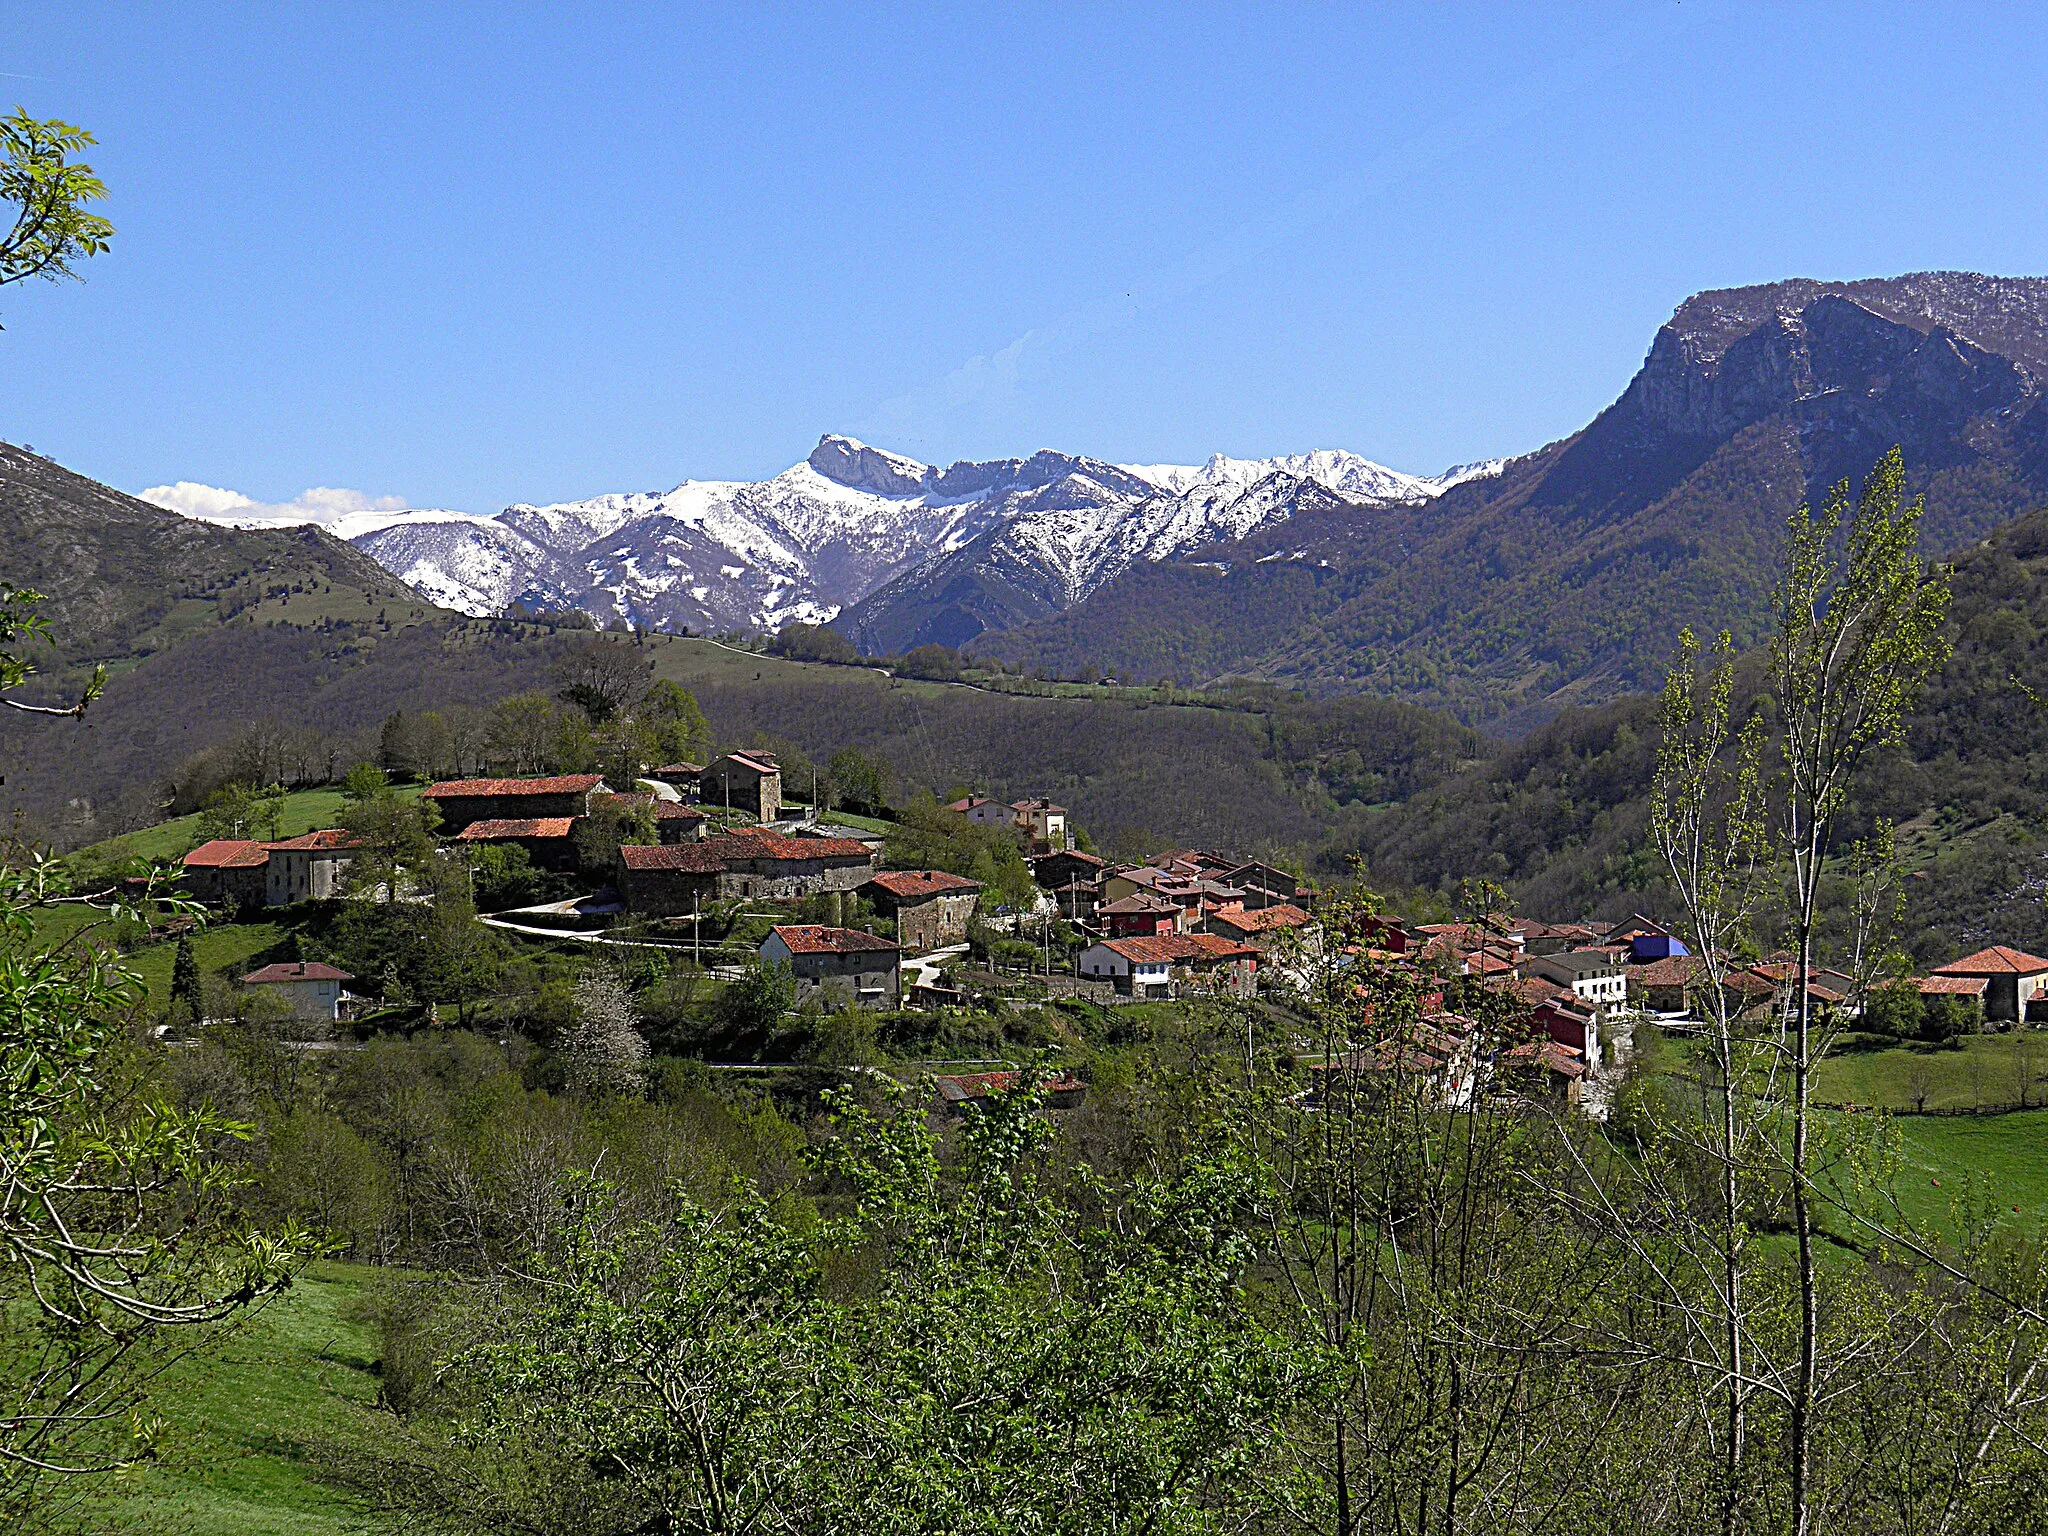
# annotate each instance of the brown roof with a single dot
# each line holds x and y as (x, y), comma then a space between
(325, 840)
(773, 845)
(675, 810)
(1952, 986)
(760, 762)
(1167, 948)
(533, 826)
(969, 803)
(1998, 960)
(1284, 915)
(916, 884)
(1038, 804)
(1553, 1057)
(816, 939)
(1674, 971)
(684, 858)
(1140, 901)
(676, 771)
(1072, 853)
(559, 784)
(228, 853)
(296, 970)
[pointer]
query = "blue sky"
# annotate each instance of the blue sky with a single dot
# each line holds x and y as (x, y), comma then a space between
(461, 256)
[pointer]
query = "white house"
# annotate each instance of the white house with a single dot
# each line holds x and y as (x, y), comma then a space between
(984, 812)
(1141, 967)
(312, 989)
(1042, 821)
(1592, 974)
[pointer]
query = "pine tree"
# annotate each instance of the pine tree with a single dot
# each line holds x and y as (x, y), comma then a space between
(185, 974)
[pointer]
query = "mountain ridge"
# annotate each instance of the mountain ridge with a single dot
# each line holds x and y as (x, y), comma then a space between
(824, 534)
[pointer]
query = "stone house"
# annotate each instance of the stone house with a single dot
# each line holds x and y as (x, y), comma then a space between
(748, 782)
(1262, 927)
(2016, 980)
(837, 965)
(308, 868)
(931, 908)
(233, 871)
(668, 879)
(759, 863)
(462, 801)
(960, 1092)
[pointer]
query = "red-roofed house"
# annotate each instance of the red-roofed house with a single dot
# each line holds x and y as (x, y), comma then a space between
(231, 870)
(312, 989)
(1140, 915)
(1151, 967)
(837, 964)
(1262, 928)
(668, 880)
(2016, 979)
(748, 782)
(462, 801)
(931, 908)
(984, 812)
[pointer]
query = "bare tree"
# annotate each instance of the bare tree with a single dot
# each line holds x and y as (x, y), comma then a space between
(604, 676)
(1707, 816)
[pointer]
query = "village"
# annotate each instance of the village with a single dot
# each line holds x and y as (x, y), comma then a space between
(689, 844)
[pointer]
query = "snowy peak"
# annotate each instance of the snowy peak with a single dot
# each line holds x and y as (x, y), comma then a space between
(850, 462)
(1348, 474)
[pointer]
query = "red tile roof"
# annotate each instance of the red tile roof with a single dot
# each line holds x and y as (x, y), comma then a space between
(1167, 948)
(534, 826)
(669, 771)
(1952, 986)
(816, 939)
(1674, 971)
(1265, 919)
(917, 884)
(326, 840)
(1140, 901)
(228, 853)
(683, 858)
(675, 810)
(559, 784)
(1998, 960)
(753, 843)
(760, 762)
(971, 802)
(295, 970)
(1038, 804)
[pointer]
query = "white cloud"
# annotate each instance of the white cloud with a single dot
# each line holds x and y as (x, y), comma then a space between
(323, 504)
(344, 513)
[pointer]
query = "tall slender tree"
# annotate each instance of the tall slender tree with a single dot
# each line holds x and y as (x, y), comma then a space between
(1859, 631)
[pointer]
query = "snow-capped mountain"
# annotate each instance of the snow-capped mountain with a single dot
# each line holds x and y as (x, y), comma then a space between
(848, 521)
(1347, 474)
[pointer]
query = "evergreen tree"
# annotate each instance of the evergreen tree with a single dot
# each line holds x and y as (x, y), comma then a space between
(185, 974)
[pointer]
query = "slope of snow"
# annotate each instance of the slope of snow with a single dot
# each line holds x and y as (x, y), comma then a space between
(1348, 474)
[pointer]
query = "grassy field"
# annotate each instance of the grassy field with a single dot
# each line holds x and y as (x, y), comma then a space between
(1989, 1072)
(243, 1417)
(305, 810)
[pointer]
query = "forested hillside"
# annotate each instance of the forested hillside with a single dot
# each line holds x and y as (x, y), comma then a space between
(1561, 815)
(204, 632)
